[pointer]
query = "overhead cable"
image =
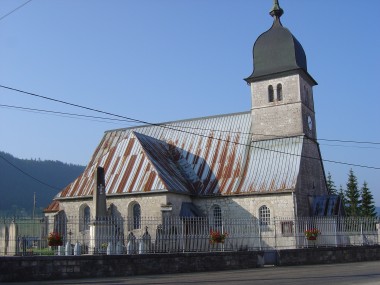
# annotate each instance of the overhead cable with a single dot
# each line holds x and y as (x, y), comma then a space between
(179, 130)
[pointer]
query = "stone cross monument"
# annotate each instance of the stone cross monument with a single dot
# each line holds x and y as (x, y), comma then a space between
(99, 194)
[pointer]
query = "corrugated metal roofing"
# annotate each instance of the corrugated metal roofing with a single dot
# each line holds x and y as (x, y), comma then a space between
(273, 165)
(52, 208)
(205, 156)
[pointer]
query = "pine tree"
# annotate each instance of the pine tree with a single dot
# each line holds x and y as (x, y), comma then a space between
(331, 188)
(368, 205)
(352, 196)
(342, 197)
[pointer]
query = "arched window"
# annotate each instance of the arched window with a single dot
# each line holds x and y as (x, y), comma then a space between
(60, 223)
(279, 92)
(136, 214)
(264, 215)
(84, 217)
(217, 216)
(270, 93)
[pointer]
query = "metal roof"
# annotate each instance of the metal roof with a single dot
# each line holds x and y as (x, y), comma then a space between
(205, 156)
(52, 208)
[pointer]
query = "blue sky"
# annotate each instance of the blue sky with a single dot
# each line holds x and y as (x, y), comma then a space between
(165, 60)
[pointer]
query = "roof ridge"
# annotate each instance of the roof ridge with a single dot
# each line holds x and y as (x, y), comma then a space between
(179, 121)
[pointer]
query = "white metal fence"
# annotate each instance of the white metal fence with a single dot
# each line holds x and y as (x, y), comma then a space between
(24, 236)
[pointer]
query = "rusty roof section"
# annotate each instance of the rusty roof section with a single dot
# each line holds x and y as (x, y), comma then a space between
(204, 156)
(53, 207)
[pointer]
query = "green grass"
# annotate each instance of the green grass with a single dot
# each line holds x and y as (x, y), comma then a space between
(41, 251)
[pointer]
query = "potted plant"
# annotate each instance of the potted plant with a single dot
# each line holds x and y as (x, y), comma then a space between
(312, 234)
(55, 239)
(217, 237)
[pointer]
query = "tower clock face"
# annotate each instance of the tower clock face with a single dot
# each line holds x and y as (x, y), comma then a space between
(310, 123)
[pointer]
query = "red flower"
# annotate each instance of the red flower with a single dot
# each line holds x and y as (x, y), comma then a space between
(217, 237)
(55, 239)
(312, 234)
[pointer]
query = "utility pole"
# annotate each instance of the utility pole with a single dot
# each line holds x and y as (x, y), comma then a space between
(34, 204)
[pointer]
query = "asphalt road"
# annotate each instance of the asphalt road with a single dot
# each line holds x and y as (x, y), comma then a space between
(348, 273)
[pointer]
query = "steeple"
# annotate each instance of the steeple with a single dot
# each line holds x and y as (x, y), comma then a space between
(277, 52)
(281, 87)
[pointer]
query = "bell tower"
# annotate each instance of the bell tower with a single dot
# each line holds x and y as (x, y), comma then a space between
(282, 112)
(281, 87)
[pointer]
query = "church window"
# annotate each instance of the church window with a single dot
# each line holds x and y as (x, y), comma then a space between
(270, 93)
(217, 216)
(85, 217)
(136, 214)
(60, 223)
(287, 228)
(264, 216)
(279, 92)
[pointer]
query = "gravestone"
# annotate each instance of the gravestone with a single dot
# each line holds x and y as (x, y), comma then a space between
(12, 239)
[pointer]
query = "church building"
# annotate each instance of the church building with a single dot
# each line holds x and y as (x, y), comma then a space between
(260, 164)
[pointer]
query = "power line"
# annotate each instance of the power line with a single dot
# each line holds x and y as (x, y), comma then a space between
(29, 175)
(163, 125)
(63, 114)
(14, 10)
(179, 130)
(107, 120)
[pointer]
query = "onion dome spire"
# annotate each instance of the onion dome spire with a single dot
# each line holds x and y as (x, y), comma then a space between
(277, 52)
(276, 11)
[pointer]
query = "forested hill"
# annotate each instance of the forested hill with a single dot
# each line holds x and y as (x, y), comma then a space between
(17, 188)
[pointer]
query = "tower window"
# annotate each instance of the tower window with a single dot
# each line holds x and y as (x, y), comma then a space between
(279, 92)
(270, 93)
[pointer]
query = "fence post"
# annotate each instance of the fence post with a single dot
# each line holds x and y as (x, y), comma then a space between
(259, 225)
(275, 232)
(361, 232)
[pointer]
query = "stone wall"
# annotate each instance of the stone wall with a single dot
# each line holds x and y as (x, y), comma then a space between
(244, 206)
(64, 267)
(33, 268)
(122, 207)
(310, 256)
(278, 118)
(150, 204)
(311, 180)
